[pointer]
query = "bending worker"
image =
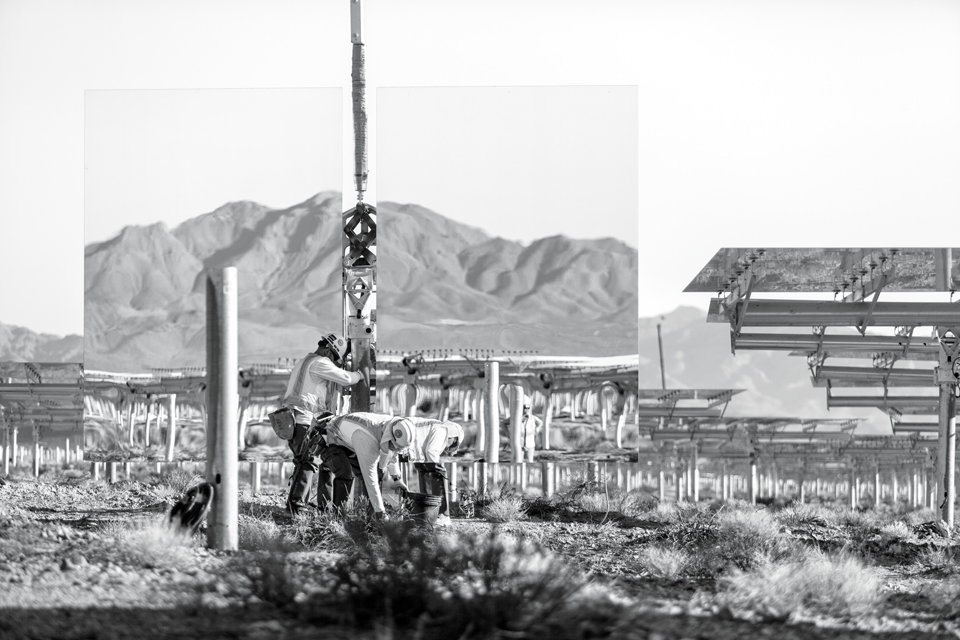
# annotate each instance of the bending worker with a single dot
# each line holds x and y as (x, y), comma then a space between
(434, 438)
(311, 393)
(361, 444)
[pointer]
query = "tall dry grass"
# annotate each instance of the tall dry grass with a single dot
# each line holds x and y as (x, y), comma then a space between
(839, 585)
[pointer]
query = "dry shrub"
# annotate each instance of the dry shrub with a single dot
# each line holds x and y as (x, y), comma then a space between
(151, 545)
(800, 515)
(505, 509)
(458, 585)
(820, 584)
(920, 516)
(664, 562)
(262, 535)
(897, 532)
(664, 512)
(179, 480)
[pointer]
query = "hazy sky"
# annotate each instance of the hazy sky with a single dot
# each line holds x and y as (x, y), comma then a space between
(518, 162)
(170, 155)
(760, 123)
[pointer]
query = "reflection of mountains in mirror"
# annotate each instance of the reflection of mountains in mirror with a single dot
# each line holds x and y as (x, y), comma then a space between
(441, 284)
(20, 344)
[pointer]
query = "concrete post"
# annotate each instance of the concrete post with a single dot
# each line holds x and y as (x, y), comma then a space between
(222, 399)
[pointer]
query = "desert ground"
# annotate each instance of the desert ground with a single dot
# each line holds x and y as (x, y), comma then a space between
(81, 558)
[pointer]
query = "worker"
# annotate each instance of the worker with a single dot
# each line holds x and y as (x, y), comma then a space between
(435, 438)
(530, 426)
(364, 444)
(311, 394)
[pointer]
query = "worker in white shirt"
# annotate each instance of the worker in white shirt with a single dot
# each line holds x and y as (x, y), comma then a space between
(312, 393)
(434, 438)
(364, 444)
(530, 426)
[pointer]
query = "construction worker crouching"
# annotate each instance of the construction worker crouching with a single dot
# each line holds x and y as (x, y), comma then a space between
(311, 394)
(434, 438)
(364, 444)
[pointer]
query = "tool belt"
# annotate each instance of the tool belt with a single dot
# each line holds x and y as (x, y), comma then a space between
(314, 440)
(283, 422)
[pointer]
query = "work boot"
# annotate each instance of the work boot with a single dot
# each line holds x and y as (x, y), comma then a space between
(299, 488)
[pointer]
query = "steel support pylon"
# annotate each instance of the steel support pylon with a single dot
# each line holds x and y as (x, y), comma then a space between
(360, 242)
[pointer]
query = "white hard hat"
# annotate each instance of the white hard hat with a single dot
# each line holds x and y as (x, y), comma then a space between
(336, 343)
(403, 433)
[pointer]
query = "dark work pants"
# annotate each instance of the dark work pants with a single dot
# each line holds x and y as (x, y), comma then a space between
(433, 481)
(304, 468)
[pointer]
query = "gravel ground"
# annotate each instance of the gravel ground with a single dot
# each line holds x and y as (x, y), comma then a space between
(62, 576)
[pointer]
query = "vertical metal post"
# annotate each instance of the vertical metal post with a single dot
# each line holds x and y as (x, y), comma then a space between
(516, 419)
(171, 426)
(547, 417)
(360, 241)
(877, 487)
(947, 379)
(36, 451)
(479, 384)
(547, 478)
(255, 481)
(663, 375)
(948, 425)
(695, 473)
(7, 454)
(753, 479)
(222, 398)
(492, 377)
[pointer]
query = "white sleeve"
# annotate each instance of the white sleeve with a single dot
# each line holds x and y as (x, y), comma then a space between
(368, 455)
(322, 369)
(390, 464)
(435, 443)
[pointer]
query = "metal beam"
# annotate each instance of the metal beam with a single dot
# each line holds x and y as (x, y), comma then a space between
(808, 313)
(809, 342)
(862, 376)
(883, 402)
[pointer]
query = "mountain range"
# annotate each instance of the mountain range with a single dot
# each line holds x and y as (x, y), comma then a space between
(441, 284)
(19, 344)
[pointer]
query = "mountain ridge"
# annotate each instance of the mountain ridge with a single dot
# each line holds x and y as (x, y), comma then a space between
(150, 282)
